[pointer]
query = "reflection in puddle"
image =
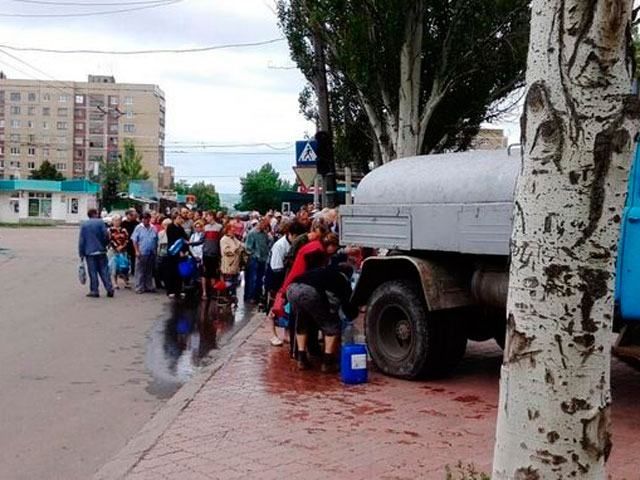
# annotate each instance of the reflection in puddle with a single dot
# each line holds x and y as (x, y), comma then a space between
(185, 342)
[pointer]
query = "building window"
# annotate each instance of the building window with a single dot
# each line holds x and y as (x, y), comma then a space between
(31, 139)
(15, 137)
(113, 128)
(46, 97)
(14, 163)
(62, 112)
(46, 111)
(31, 151)
(61, 125)
(15, 110)
(129, 128)
(15, 124)
(78, 141)
(15, 151)
(79, 127)
(31, 165)
(29, 123)
(78, 153)
(39, 204)
(31, 97)
(128, 100)
(62, 140)
(2, 153)
(1, 122)
(61, 166)
(61, 154)
(113, 100)
(79, 99)
(31, 111)
(14, 96)
(46, 139)
(63, 98)
(45, 125)
(129, 114)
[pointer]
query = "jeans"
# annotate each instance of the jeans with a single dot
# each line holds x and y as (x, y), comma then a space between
(98, 265)
(254, 279)
(144, 273)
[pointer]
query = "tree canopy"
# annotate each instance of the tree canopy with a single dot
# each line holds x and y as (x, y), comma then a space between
(131, 164)
(260, 189)
(424, 73)
(46, 171)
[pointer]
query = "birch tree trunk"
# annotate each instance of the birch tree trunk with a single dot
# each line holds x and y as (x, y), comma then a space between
(578, 127)
(410, 83)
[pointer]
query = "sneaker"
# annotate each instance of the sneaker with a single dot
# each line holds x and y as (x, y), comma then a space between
(183, 295)
(110, 294)
(93, 295)
(275, 341)
(329, 367)
(172, 295)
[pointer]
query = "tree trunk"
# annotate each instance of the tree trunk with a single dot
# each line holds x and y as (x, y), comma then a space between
(578, 127)
(322, 92)
(410, 82)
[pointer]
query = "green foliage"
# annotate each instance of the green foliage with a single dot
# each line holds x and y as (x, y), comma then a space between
(181, 187)
(474, 50)
(260, 189)
(206, 196)
(130, 162)
(111, 181)
(46, 171)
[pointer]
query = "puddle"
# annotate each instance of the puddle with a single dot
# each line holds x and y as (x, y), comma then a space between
(186, 339)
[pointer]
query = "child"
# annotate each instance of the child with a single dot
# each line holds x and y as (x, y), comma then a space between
(196, 244)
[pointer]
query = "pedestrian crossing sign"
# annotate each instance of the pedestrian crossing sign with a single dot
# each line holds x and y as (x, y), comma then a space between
(306, 153)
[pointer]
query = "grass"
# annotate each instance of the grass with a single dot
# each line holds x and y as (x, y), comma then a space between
(464, 472)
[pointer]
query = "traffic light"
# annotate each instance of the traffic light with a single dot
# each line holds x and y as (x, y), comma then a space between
(324, 163)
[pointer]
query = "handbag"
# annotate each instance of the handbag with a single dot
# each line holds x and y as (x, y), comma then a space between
(278, 308)
(176, 247)
(121, 261)
(82, 272)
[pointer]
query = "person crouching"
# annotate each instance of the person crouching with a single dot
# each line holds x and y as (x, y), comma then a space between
(316, 297)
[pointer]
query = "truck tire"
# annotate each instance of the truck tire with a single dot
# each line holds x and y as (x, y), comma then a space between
(404, 339)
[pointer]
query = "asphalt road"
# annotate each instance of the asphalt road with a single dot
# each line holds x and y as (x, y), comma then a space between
(80, 376)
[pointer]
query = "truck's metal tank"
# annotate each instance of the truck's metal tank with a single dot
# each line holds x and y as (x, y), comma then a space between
(470, 177)
(456, 202)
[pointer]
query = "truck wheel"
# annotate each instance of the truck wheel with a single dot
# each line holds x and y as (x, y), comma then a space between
(404, 339)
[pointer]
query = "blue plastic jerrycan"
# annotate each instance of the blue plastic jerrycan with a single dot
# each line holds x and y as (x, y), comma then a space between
(353, 364)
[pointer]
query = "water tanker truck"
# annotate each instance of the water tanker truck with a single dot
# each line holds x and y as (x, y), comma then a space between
(443, 225)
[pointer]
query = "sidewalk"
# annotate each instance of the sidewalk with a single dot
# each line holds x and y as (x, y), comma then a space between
(259, 418)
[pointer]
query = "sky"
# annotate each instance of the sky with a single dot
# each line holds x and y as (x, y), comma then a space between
(226, 97)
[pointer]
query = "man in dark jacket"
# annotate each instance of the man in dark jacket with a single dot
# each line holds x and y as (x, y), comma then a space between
(129, 224)
(92, 247)
(316, 297)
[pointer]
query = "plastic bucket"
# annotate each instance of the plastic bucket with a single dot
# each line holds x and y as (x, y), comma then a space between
(353, 364)
(186, 268)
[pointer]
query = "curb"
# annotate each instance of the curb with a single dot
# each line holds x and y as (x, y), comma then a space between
(142, 442)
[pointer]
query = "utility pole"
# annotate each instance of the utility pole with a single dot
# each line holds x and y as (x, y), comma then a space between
(324, 123)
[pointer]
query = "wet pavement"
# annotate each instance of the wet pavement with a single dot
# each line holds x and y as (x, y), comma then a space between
(258, 417)
(185, 340)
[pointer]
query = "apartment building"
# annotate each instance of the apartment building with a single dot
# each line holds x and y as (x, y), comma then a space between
(77, 125)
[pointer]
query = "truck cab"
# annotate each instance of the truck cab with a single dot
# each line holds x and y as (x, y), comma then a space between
(442, 224)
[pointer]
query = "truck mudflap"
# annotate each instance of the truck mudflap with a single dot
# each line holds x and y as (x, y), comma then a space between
(444, 282)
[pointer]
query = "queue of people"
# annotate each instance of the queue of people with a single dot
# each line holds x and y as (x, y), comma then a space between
(293, 266)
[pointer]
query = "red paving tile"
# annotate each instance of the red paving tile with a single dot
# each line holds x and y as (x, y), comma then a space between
(258, 417)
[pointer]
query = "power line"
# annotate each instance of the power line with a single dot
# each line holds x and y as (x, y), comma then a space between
(145, 52)
(92, 4)
(89, 14)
